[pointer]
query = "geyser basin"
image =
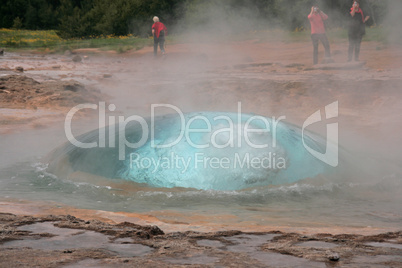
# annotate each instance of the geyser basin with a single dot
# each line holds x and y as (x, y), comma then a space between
(206, 150)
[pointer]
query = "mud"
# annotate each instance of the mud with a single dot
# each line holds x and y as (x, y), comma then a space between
(54, 241)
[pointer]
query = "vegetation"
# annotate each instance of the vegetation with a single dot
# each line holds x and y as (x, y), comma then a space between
(125, 24)
(85, 18)
(48, 39)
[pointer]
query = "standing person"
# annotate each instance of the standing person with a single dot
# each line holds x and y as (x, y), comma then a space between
(357, 28)
(159, 30)
(317, 18)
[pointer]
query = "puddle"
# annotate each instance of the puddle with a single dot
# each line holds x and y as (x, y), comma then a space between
(379, 259)
(129, 250)
(248, 243)
(280, 260)
(66, 238)
(384, 245)
(210, 243)
(317, 244)
(63, 240)
(48, 227)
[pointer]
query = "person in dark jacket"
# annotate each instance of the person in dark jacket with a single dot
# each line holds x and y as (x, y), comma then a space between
(159, 31)
(357, 28)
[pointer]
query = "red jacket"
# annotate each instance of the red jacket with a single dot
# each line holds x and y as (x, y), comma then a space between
(317, 22)
(158, 27)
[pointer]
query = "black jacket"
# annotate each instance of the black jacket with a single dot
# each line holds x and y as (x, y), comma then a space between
(356, 25)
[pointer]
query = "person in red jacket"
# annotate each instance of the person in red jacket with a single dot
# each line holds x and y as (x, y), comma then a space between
(159, 31)
(317, 18)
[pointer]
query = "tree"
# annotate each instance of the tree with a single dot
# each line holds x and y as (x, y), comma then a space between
(378, 9)
(83, 18)
(17, 23)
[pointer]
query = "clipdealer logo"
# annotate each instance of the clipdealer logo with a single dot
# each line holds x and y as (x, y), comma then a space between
(236, 134)
(331, 156)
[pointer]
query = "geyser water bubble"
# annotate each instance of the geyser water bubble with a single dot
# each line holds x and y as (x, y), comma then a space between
(206, 150)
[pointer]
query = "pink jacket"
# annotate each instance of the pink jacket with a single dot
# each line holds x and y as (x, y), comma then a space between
(317, 22)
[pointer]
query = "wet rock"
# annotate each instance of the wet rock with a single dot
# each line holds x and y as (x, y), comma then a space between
(77, 58)
(74, 87)
(333, 256)
(19, 69)
(153, 230)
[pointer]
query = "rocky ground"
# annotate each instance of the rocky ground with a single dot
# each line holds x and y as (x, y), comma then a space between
(55, 241)
(20, 91)
(31, 97)
(33, 103)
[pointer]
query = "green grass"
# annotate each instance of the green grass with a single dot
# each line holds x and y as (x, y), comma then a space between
(26, 38)
(42, 40)
(379, 34)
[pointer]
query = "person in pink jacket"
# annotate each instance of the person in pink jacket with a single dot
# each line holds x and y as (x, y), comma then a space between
(317, 18)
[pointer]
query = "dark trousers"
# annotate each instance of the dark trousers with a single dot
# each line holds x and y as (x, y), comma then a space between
(354, 45)
(324, 40)
(161, 41)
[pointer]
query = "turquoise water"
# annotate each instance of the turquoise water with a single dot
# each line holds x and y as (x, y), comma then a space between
(205, 151)
(362, 191)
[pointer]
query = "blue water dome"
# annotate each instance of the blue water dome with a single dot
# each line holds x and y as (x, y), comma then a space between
(221, 151)
(205, 150)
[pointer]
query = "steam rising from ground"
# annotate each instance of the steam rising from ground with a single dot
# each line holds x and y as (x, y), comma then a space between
(212, 74)
(393, 20)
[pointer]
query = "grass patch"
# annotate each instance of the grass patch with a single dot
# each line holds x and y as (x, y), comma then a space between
(379, 34)
(26, 38)
(42, 40)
